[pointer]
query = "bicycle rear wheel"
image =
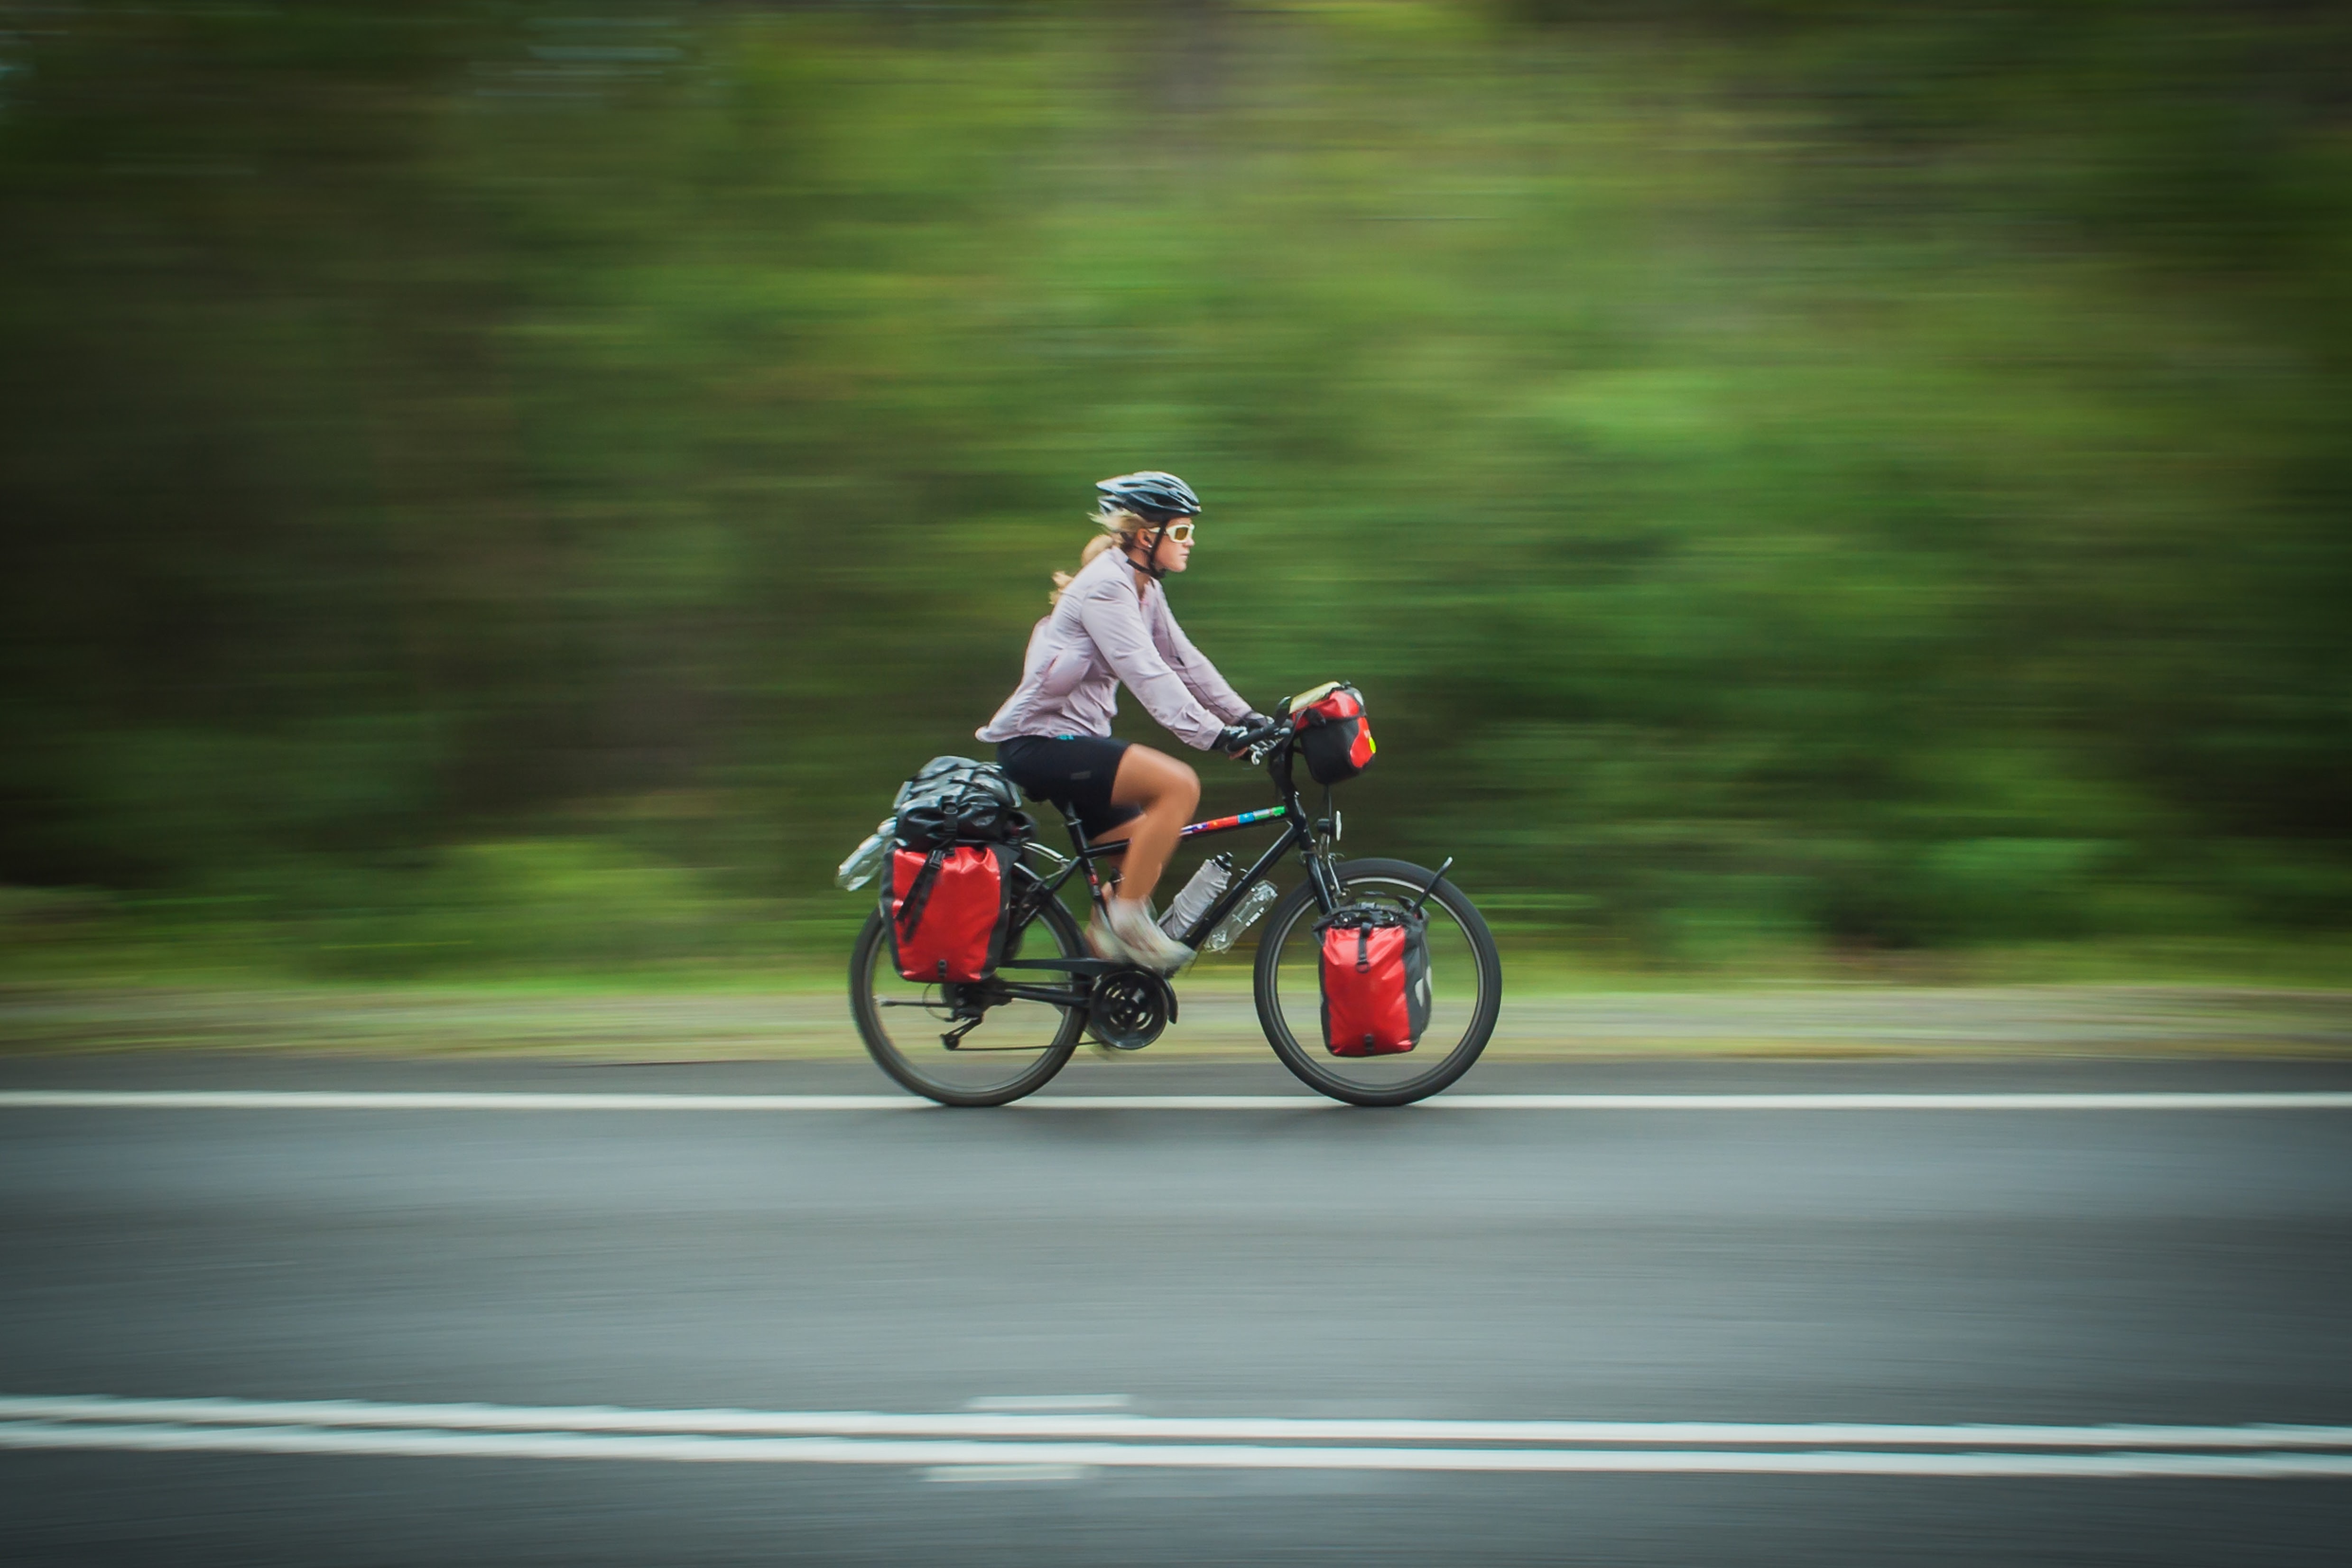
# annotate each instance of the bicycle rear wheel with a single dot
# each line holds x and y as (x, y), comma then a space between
(1465, 978)
(1013, 1050)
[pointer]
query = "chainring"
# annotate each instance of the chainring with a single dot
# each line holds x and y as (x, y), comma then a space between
(1129, 1008)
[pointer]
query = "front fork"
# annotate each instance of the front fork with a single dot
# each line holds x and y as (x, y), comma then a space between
(1320, 855)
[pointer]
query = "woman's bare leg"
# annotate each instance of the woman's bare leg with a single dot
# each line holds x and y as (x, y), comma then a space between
(1166, 790)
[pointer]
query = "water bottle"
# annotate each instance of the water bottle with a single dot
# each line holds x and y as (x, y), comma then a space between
(1254, 903)
(867, 858)
(1207, 885)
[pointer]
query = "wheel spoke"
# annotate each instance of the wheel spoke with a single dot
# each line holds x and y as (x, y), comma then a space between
(1465, 980)
(1021, 1038)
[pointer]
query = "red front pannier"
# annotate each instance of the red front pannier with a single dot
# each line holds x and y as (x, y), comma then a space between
(948, 909)
(1334, 737)
(1375, 980)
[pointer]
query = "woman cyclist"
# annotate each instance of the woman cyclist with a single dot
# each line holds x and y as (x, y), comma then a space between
(1111, 624)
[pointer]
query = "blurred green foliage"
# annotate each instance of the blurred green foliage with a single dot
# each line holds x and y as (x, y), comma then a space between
(491, 483)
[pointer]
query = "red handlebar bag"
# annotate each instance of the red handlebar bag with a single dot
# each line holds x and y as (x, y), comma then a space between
(948, 909)
(1334, 737)
(1375, 980)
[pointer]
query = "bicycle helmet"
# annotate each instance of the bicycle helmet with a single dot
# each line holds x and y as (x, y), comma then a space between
(1154, 497)
(1157, 498)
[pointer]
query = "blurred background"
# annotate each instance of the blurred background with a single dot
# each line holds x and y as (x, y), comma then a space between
(498, 489)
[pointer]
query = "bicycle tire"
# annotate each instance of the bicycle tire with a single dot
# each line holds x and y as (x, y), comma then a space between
(1303, 1059)
(873, 949)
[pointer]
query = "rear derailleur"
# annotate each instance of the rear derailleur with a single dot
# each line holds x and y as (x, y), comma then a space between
(966, 1006)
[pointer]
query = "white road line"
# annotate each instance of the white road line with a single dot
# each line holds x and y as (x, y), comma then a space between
(1001, 1425)
(356, 1100)
(934, 1455)
(2137, 1100)
(379, 1100)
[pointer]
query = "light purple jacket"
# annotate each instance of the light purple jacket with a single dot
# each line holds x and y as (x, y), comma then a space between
(1099, 634)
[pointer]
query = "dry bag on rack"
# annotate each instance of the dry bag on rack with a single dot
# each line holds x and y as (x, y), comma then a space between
(1334, 737)
(948, 909)
(956, 800)
(1375, 980)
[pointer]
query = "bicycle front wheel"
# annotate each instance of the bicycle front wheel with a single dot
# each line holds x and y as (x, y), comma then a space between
(1466, 976)
(911, 1030)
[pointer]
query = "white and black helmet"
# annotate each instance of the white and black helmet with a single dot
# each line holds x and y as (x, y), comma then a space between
(1152, 495)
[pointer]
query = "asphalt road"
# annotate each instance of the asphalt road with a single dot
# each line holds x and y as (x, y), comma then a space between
(2040, 1269)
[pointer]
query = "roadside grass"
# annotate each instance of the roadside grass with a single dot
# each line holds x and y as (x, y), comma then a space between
(683, 1024)
(223, 987)
(612, 936)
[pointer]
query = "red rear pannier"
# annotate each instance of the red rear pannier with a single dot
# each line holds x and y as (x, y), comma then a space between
(1334, 737)
(1375, 980)
(948, 910)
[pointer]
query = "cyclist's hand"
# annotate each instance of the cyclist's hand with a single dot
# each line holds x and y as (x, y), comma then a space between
(1248, 735)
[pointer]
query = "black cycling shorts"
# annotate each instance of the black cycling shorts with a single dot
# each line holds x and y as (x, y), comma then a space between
(1073, 770)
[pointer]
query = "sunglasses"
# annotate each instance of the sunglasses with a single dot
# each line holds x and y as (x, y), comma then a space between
(1179, 532)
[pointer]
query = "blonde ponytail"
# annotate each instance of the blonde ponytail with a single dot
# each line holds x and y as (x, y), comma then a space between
(1118, 528)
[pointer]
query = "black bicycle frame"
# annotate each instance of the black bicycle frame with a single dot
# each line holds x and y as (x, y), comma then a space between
(1299, 832)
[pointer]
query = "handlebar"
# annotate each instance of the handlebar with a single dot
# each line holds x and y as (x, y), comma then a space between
(1259, 744)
